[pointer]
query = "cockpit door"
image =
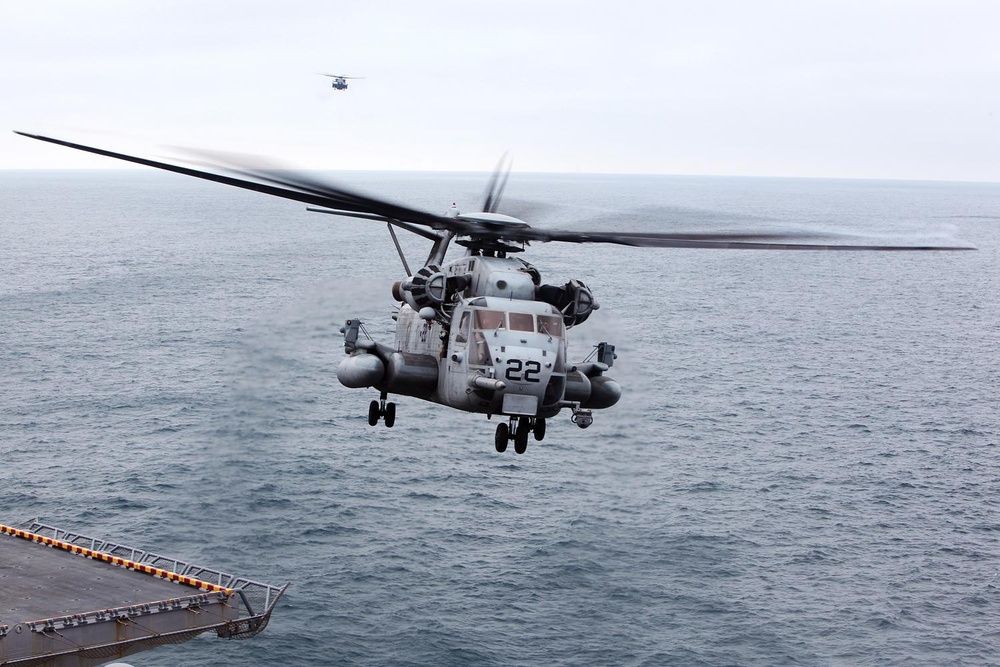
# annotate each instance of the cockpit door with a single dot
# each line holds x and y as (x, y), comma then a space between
(455, 378)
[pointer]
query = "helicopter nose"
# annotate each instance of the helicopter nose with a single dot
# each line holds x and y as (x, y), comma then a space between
(525, 370)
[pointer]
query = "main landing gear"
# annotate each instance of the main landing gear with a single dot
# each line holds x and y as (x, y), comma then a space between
(381, 410)
(518, 430)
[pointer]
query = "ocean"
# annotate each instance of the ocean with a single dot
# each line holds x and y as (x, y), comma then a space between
(803, 469)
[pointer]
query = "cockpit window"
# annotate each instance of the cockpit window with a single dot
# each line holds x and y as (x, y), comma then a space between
(489, 319)
(479, 355)
(551, 325)
(463, 329)
(522, 322)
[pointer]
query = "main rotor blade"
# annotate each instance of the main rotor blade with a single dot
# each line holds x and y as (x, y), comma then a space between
(293, 186)
(716, 240)
(497, 184)
(303, 188)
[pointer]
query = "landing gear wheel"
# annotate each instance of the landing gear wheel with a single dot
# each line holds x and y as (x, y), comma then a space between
(521, 435)
(373, 413)
(390, 414)
(539, 429)
(503, 435)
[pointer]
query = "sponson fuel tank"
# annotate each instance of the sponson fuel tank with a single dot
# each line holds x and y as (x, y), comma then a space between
(360, 370)
(412, 374)
(405, 373)
(593, 393)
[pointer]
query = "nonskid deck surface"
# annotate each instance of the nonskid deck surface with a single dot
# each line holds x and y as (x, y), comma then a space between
(68, 599)
(39, 582)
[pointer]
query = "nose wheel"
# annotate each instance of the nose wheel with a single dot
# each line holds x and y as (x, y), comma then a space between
(518, 430)
(503, 435)
(381, 410)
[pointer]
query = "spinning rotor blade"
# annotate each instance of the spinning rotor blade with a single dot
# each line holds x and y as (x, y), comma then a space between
(720, 240)
(498, 181)
(490, 228)
(297, 187)
(340, 201)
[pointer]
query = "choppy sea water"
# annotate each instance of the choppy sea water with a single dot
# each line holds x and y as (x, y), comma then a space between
(803, 469)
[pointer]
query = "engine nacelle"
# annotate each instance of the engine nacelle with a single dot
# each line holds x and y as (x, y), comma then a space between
(574, 300)
(361, 370)
(427, 288)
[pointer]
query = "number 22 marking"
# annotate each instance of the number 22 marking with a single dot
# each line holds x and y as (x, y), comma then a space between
(531, 368)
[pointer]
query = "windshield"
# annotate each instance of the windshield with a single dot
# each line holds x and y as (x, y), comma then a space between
(489, 319)
(551, 325)
(521, 322)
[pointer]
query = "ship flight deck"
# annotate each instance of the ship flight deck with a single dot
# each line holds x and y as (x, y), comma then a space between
(67, 600)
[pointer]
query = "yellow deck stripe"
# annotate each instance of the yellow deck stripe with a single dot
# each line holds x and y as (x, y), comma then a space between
(115, 560)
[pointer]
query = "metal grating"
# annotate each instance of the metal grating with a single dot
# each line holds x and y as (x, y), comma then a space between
(259, 599)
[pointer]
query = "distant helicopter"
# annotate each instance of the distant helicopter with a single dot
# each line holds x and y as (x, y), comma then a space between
(339, 81)
(480, 333)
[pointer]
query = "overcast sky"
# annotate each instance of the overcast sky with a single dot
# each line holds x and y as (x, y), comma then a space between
(872, 89)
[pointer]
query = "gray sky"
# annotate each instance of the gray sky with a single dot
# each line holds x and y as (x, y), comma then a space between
(873, 89)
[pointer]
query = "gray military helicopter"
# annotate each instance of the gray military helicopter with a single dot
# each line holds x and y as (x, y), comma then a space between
(481, 332)
(339, 81)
